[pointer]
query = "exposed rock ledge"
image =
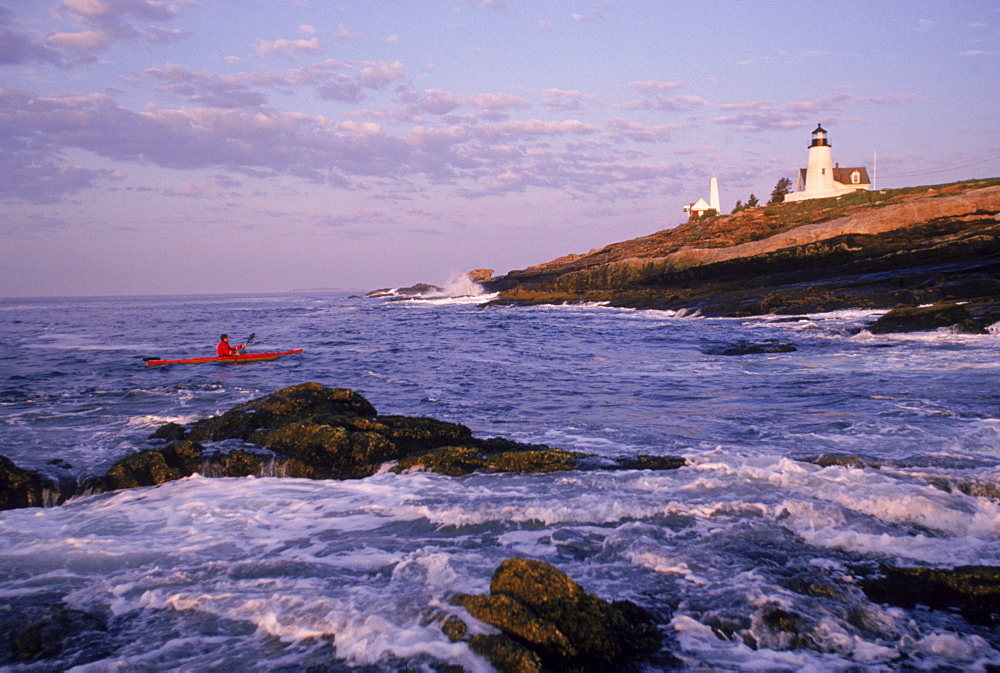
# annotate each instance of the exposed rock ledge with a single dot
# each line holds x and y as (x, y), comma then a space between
(549, 623)
(312, 432)
(871, 250)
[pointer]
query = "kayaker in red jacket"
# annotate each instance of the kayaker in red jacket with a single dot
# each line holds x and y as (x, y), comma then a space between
(224, 349)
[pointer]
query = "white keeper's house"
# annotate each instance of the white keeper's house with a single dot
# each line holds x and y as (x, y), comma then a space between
(700, 207)
(821, 178)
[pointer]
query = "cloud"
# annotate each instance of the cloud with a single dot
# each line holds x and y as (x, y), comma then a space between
(107, 21)
(439, 103)
(655, 97)
(345, 34)
(766, 114)
(474, 157)
(158, 35)
(622, 128)
(267, 48)
(378, 75)
(561, 100)
(655, 86)
(660, 103)
(769, 120)
(17, 47)
(86, 44)
(693, 101)
(534, 127)
(335, 80)
(208, 88)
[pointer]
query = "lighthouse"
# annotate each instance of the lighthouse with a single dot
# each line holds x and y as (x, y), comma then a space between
(819, 168)
(821, 178)
(713, 196)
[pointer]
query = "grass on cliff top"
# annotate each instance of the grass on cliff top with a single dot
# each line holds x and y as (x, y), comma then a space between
(763, 221)
(873, 199)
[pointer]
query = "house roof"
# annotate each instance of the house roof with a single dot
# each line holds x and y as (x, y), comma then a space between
(843, 175)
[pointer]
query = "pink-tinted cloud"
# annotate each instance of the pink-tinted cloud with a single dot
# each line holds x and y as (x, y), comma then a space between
(474, 157)
(158, 35)
(105, 22)
(378, 75)
(655, 86)
(438, 102)
(561, 100)
(283, 46)
(621, 128)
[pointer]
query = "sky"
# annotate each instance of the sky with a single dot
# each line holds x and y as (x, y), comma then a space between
(257, 146)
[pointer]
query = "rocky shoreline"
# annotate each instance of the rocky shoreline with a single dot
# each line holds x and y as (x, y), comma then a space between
(873, 250)
(545, 620)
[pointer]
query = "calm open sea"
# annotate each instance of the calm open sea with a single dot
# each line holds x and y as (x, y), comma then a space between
(283, 574)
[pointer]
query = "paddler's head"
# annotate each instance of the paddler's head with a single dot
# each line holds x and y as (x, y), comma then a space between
(224, 337)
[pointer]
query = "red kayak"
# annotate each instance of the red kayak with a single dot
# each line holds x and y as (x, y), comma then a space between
(240, 359)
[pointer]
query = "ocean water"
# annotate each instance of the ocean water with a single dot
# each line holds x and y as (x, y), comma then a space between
(265, 574)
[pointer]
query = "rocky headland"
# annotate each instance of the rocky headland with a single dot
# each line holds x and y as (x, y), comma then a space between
(891, 249)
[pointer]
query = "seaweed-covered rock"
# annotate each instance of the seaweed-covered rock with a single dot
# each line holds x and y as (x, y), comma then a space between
(293, 404)
(540, 608)
(972, 590)
(335, 433)
(333, 452)
(170, 432)
(924, 318)
(20, 487)
(461, 460)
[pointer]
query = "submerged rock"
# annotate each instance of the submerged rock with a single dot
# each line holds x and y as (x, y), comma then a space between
(974, 591)
(925, 318)
(550, 623)
(58, 631)
(749, 348)
(411, 291)
(842, 460)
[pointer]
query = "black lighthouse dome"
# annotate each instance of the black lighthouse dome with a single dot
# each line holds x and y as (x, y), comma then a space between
(819, 137)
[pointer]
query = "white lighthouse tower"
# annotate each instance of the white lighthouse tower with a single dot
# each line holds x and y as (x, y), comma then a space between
(819, 168)
(821, 178)
(713, 196)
